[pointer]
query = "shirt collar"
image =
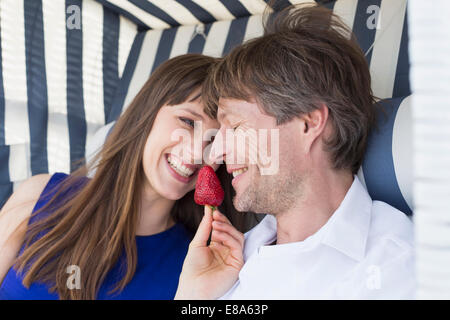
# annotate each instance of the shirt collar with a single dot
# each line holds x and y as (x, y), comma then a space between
(263, 233)
(349, 224)
(347, 229)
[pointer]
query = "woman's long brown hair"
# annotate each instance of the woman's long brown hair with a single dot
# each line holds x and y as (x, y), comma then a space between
(90, 223)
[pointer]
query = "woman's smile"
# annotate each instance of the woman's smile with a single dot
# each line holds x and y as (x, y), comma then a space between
(179, 170)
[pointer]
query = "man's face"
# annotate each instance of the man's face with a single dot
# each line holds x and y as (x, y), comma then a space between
(264, 158)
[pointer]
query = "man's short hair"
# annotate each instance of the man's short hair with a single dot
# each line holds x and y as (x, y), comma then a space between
(307, 57)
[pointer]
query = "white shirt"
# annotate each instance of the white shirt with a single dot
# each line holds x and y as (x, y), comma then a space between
(364, 251)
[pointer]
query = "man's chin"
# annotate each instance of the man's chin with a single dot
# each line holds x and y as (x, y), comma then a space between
(242, 202)
(237, 204)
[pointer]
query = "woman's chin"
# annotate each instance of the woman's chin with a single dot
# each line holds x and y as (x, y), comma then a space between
(173, 194)
(173, 190)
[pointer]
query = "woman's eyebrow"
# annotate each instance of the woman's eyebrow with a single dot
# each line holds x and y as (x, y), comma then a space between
(192, 112)
(195, 97)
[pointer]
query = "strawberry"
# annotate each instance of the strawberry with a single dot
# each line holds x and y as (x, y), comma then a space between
(208, 190)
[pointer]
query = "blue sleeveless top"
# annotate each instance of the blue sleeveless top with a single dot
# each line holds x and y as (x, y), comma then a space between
(160, 259)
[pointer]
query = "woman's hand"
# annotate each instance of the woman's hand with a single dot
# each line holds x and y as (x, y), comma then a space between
(210, 271)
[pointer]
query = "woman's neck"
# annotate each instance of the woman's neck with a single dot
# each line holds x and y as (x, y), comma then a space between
(154, 214)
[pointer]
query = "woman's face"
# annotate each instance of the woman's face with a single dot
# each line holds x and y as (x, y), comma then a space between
(173, 153)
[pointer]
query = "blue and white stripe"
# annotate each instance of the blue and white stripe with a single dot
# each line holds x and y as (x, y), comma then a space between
(57, 84)
(162, 14)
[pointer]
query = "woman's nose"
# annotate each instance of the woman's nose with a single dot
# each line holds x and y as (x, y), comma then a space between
(198, 151)
(218, 148)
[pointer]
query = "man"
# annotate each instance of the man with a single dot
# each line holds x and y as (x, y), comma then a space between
(323, 236)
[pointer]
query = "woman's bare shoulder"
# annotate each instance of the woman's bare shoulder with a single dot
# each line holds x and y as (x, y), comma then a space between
(21, 203)
(14, 216)
(28, 191)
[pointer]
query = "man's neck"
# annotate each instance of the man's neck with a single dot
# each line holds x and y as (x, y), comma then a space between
(322, 195)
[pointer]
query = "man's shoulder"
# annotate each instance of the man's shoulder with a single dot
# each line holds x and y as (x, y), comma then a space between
(388, 268)
(389, 224)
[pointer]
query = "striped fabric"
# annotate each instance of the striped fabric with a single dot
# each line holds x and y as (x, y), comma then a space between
(61, 62)
(163, 14)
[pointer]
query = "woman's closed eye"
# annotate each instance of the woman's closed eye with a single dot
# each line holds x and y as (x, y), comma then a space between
(187, 121)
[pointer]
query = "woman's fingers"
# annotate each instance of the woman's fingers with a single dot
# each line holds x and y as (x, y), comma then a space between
(217, 215)
(222, 223)
(204, 230)
(227, 240)
(228, 228)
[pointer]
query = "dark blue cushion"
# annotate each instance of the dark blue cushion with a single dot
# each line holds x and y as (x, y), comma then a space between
(387, 168)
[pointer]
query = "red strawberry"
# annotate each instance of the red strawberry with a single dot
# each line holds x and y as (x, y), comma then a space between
(208, 190)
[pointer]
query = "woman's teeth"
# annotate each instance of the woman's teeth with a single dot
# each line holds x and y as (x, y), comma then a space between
(180, 168)
(238, 172)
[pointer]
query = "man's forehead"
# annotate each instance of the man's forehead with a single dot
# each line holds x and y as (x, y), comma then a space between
(229, 107)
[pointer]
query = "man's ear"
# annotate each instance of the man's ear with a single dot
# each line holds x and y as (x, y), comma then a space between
(314, 124)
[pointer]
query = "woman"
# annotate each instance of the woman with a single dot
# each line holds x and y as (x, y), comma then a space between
(124, 233)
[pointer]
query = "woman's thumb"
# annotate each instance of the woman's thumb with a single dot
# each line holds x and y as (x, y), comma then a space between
(204, 229)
